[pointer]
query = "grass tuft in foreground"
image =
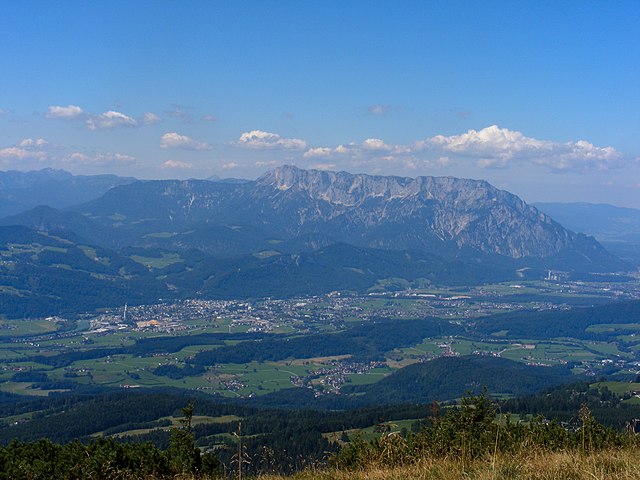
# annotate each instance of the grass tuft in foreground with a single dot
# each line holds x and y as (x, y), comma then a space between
(619, 464)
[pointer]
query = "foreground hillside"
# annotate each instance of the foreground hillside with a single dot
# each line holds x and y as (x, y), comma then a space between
(618, 464)
(474, 439)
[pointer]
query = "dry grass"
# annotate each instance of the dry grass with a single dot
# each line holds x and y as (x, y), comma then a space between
(612, 464)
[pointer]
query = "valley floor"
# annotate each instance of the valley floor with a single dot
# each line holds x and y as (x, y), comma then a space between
(619, 464)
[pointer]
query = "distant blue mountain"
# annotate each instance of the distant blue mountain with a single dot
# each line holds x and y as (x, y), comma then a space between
(617, 228)
(601, 220)
(20, 191)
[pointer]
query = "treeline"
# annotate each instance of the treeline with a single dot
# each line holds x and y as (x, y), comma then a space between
(143, 347)
(452, 377)
(233, 271)
(367, 341)
(107, 459)
(80, 418)
(563, 402)
(65, 418)
(102, 458)
(44, 290)
(571, 323)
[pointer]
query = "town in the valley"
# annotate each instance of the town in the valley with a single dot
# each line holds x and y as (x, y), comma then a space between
(334, 312)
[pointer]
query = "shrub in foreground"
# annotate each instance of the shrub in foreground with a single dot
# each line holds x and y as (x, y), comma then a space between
(470, 431)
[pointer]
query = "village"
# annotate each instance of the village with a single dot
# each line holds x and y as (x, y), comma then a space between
(331, 313)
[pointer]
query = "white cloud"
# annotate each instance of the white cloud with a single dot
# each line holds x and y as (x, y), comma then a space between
(110, 119)
(99, 159)
(492, 163)
(491, 142)
(150, 118)
(259, 139)
(341, 149)
(106, 120)
(176, 164)
(230, 166)
(209, 118)
(375, 144)
(319, 152)
(69, 112)
(175, 140)
(370, 150)
(17, 153)
(581, 154)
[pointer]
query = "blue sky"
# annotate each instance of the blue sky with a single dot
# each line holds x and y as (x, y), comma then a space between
(541, 98)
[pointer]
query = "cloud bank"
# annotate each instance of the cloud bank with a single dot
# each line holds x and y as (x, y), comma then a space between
(491, 147)
(32, 153)
(107, 120)
(25, 150)
(499, 147)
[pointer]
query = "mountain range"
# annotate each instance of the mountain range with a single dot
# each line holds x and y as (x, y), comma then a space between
(20, 191)
(311, 208)
(315, 231)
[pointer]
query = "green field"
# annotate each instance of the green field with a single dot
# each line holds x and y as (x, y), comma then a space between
(22, 339)
(163, 261)
(619, 388)
(21, 328)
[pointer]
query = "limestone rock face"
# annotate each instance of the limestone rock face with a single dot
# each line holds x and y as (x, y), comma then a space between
(466, 212)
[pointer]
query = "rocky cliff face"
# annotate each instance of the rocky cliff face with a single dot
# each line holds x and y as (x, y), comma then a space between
(469, 213)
